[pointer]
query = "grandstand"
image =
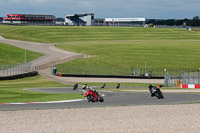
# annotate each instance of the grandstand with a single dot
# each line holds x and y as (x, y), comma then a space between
(86, 19)
(30, 19)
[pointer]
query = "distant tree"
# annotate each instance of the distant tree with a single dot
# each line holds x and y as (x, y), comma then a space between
(160, 22)
(151, 21)
(189, 22)
(170, 22)
(179, 22)
(196, 18)
(196, 21)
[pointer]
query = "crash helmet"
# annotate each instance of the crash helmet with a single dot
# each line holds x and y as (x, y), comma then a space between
(150, 86)
(84, 86)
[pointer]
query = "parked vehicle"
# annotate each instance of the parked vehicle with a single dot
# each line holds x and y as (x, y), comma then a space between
(93, 96)
(155, 92)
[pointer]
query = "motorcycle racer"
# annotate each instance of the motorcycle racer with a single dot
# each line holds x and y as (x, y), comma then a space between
(155, 92)
(152, 90)
(93, 95)
(84, 88)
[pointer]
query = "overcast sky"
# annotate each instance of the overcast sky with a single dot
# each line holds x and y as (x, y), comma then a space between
(157, 9)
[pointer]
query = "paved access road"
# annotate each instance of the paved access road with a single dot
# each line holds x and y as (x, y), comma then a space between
(111, 99)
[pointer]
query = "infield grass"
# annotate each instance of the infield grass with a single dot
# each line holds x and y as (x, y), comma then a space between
(118, 48)
(125, 55)
(64, 34)
(12, 91)
(13, 55)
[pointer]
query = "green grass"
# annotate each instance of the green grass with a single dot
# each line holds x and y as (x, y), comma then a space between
(13, 55)
(117, 50)
(56, 34)
(12, 91)
(123, 57)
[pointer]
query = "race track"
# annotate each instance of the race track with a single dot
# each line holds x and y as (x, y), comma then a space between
(110, 99)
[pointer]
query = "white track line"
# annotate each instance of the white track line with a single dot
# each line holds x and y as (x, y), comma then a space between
(64, 101)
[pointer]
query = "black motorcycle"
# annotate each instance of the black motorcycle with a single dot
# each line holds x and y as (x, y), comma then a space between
(155, 92)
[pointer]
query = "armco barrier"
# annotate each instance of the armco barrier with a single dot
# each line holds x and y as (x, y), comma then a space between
(108, 76)
(29, 74)
(27, 71)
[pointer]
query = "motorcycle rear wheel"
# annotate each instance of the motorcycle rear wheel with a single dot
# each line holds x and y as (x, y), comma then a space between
(101, 99)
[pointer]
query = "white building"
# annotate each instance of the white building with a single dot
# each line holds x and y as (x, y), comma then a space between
(125, 21)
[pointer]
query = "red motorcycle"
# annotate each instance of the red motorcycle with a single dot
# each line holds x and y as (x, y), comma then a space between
(93, 96)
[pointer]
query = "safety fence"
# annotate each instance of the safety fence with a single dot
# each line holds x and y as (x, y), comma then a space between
(18, 69)
(123, 71)
(52, 63)
(187, 75)
(185, 78)
(172, 81)
(191, 78)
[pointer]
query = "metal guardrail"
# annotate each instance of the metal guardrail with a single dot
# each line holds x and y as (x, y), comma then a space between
(120, 70)
(18, 69)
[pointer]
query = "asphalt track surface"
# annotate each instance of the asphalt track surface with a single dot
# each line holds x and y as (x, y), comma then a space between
(110, 99)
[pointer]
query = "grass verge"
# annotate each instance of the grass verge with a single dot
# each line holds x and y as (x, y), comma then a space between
(12, 91)
(11, 55)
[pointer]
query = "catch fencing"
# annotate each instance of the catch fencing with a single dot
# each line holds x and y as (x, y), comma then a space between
(185, 78)
(172, 81)
(191, 78)
(117, 71)
(18, 69)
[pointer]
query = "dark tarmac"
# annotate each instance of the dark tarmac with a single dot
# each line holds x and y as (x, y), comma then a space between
(110, 99)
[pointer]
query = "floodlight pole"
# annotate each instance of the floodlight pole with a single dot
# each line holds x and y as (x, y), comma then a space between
(25, 55)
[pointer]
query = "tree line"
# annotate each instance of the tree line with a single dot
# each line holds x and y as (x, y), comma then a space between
(171, 22)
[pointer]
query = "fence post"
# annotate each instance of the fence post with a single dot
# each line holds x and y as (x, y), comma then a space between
(198, 77)
(194, 78)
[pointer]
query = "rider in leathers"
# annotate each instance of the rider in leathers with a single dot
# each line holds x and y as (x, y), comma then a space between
(152, 90)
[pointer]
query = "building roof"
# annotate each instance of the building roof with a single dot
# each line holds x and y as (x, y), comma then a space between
(125, 19)
(28, 15)
(79, 15)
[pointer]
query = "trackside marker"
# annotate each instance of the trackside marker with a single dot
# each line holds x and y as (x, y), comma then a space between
(192, 86)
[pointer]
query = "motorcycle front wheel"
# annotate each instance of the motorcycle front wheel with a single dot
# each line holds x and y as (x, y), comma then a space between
(101, 99)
